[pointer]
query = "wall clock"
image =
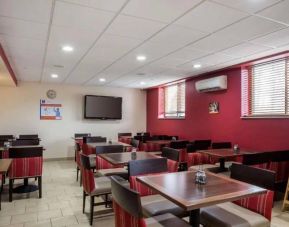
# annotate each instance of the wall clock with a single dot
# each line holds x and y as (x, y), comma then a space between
(51, 94)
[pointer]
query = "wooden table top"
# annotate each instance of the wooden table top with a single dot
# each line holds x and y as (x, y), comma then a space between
(108, 144)
(4, 165)
(124, 157)
(181, 189)
(224, 153)
(162, 142)
(5, 148)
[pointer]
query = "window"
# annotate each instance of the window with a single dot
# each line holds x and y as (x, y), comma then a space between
(265, 89)
(172, 101)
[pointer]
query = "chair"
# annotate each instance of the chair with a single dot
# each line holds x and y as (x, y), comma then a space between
(25, 142)
(153, 204)
(78, 162)
(94, 139)
(252, 211)
(128, 210)
(135, 143)
(182, 146)
(92, 186)
(1, 182)
(27, 163)
(172, 156)
(124, 134)
(222, 145)
(6, 137)
(28, 136)
(202, 144)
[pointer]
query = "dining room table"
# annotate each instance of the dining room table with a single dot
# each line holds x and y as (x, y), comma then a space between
(223, 155)
(181, 189)
(124, 157)
(114, 143)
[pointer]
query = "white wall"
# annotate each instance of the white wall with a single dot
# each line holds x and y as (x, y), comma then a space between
(20, 106)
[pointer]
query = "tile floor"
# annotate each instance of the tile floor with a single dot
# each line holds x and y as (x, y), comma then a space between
(61, 204)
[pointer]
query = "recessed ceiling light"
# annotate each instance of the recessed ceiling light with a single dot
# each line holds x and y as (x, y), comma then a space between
(54, 75)
(142, 83)
(102, 79)
(197, 66)
(67, 48)
(141, 58)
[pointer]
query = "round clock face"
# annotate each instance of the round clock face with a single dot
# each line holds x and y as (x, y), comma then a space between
(51, 94)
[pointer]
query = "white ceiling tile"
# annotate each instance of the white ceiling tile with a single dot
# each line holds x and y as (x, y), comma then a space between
(275, 39)
(80, 17)
(188, 54)
(132, 27)
(210, 17)
(278, 12)
(169, 62)
(248, 5)
(171, 36)
(250, 28)
(23, 29)
(160, 10)
(33, 10)
(214, 43)
(245, 49)
(32, 75)
(110, 5)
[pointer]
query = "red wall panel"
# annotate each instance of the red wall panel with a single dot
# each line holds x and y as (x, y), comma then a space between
(260, 134)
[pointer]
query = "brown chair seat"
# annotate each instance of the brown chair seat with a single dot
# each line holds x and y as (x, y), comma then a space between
(231, 215)
(115, 171)
(153, 205)
(102, 186)
(165, 220)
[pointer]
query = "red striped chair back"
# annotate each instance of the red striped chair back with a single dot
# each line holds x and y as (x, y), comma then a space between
(87, 174)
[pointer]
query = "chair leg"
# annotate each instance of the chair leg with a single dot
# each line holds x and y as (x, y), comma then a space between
(10, 189)
(91, 208)
(83, 201)
(40, 186)
(80, 179)
(77, 172)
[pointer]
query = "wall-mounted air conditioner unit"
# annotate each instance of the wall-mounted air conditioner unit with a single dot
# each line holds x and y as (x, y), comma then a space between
(213, 84)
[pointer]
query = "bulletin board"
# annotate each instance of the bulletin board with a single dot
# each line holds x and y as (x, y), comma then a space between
(50, 110)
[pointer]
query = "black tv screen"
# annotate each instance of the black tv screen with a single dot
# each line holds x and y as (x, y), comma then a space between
(102, 107)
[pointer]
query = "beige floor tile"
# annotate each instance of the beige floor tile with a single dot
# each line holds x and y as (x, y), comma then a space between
(12, 211)
(43, 215)
(45, 223)
(64, 221)
(5, 220)
(22, 218)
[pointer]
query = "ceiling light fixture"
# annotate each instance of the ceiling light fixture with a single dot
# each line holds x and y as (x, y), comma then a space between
(141, 58)
(102, 79)
(67, 48)
(197, 66)
(54, 75)
(142, 83)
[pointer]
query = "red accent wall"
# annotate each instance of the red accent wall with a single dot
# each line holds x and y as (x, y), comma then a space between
(260, 134)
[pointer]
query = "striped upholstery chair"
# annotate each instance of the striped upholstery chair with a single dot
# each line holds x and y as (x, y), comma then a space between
(173, 157)
(27, 163)
(251, 211)
(153, 203)
(128, 210)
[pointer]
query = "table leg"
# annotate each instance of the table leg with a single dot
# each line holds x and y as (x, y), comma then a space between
(195, 217)
(222, 165)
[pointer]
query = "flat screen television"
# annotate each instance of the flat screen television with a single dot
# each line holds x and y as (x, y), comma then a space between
(102, 107)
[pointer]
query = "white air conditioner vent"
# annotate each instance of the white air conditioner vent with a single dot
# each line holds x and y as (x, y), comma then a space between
(213, 84)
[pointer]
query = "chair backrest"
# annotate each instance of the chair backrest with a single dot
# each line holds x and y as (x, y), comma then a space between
(202, 144)
(109, 149)
(94, 139)
(87, 174)
(27, 162)
(77, 147)
(135, 143)
(126, 198)
(143, 134)
(81, 135)
(221, 145)
(25, 142)
(256, 176)
(28, 136)
(147, 166)
(279, 156)
(124, 134)
(6, 137)
(170, 153)
(179, 144)
(256, 158)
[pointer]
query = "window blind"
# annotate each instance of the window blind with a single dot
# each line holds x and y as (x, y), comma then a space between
(172, 100)
(265, 89)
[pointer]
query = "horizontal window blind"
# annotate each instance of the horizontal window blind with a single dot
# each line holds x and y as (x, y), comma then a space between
(265, 89)
(172, 100)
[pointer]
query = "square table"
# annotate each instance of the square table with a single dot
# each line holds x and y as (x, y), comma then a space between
(124, 157)
(181, 189)
(4, 165)
(223, 155)
(95, 145)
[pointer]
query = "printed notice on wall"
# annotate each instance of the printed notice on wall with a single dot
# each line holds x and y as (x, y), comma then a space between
(50, 110)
